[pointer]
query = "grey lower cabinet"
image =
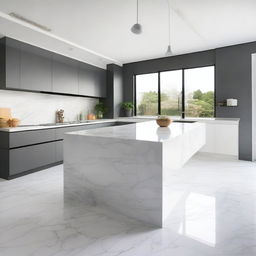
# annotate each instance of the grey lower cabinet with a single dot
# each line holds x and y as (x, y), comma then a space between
(18, 139)
(28, 151)
(31, 157)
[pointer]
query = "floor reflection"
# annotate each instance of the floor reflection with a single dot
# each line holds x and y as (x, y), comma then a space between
(200, 219)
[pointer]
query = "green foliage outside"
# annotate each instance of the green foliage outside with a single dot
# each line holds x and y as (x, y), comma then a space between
(198, 104)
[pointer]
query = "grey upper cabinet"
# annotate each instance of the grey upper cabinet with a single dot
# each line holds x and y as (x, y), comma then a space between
(86, 80)
(92, 81)
(9, 64)
(12, 67)
(100, 81)
(35, 69)
(64, 75)
(29, 68)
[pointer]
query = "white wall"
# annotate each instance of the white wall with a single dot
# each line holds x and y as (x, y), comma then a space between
(38, 108)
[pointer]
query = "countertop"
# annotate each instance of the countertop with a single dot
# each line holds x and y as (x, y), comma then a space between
(42, 127)
(198, 119)
(21, 128)
(143, 131)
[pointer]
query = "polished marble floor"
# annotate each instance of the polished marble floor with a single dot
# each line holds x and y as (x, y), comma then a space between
(214, 213)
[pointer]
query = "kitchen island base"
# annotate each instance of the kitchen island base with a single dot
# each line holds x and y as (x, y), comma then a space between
(127, 168)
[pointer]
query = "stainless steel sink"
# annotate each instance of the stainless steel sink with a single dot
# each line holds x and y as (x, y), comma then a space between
(184, 121)
(65, 123)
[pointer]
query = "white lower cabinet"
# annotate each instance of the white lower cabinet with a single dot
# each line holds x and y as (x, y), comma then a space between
(221, 139)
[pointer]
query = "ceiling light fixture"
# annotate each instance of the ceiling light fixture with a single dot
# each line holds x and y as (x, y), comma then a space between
(17, 16)
(169, 49)
(137, 28)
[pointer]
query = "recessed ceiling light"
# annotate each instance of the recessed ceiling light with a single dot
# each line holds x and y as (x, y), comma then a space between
(31, 22)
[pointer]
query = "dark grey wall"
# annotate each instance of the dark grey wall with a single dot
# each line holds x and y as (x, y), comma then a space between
(233, 79)
(114, 91)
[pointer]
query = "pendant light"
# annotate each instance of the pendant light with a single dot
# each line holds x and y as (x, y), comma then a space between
(137, 28)
(169, 49)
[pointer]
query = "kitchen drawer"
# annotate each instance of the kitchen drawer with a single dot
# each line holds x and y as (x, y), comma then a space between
(59, 151)
(18, 139)
(31, 157)
(61, 131)
(4, 140)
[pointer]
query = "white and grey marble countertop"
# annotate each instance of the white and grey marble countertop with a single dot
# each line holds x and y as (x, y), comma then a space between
(41, 127)
(120, 119)
(142, 131)
(198, 119)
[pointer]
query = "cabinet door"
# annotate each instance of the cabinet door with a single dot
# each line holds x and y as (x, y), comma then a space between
(64, 75)
(100, 83)
(32, 157)
(92, 81)
(12, 67)
(35, 69)
(59, 151)
(18, 139)
(86, 81)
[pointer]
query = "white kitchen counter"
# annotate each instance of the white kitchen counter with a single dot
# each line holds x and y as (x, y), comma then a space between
(143, 131)
(127, 168)
(198, 119)
(42, 127)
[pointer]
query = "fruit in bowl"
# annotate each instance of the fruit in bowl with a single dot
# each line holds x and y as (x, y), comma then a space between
(14, 122)
(163, 121)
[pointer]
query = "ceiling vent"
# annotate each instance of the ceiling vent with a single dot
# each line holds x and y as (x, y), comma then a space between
(19, 17)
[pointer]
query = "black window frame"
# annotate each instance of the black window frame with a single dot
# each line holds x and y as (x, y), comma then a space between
(182, 92)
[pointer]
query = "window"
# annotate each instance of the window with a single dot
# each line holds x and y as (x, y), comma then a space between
(147, 94)
(199, 92)
(184, 92)
(171, 92)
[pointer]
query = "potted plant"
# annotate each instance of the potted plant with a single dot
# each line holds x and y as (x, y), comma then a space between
(100, 109)
(128, 107)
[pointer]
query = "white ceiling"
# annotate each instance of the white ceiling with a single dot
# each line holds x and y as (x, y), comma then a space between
(99, 30)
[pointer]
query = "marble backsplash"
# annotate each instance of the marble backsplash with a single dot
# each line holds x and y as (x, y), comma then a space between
(38, 108)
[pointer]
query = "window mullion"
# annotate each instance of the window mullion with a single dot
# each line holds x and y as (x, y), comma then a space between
(183, 95)
(159, 94)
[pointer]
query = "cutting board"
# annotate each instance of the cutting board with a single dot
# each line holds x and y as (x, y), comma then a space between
(5, 113)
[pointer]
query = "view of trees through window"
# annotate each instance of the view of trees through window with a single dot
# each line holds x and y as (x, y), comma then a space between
(147, 94)
(171, 92)
(198, 93)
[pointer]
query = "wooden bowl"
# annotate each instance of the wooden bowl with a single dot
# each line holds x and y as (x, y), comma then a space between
(164, 122)
(4, 123)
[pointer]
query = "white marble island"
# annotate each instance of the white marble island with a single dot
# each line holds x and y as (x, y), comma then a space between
(127, 168)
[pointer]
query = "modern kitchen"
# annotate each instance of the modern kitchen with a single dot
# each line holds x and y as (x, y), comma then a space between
(127, 128)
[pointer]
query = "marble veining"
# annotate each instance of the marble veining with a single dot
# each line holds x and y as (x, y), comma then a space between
(38, 108)
(213, 215)
(124, 167)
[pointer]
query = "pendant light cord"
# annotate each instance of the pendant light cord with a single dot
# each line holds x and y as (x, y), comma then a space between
(137, 11)
(169, 22)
